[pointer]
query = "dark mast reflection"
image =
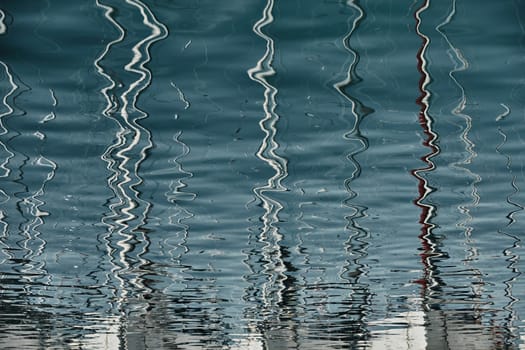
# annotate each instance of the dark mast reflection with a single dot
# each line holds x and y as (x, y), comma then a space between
(431, 282)
(272, 293)
(356, 244)
(428, 240)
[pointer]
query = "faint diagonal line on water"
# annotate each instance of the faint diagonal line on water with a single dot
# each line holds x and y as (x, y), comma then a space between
(274, 266)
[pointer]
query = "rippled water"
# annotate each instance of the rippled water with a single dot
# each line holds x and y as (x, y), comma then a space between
(262, 174)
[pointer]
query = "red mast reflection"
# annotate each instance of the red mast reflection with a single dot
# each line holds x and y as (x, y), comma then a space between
(424, 189)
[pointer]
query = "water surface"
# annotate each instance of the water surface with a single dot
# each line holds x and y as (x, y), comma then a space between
(261, 174)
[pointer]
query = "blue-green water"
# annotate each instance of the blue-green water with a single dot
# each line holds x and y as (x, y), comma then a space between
(269, 174)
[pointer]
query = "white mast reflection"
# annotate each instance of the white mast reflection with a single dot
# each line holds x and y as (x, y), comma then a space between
(274, 266)
(124, 157)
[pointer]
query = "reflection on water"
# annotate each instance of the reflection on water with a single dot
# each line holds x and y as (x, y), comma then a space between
(261, 174)
(274, 291)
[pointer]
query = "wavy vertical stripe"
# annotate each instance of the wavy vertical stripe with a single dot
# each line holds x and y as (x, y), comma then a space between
(33, 204)
(9, 110)
(510, 253)
(270, 236)
(128, 212)
(424, 189)
(461, 64)
(3, 27)
(356, 244)
(5, 197)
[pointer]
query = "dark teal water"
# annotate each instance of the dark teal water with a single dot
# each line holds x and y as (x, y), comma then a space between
(262, 174)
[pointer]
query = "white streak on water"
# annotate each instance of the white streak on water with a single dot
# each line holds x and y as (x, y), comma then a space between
(355, 241)
(141, 56)
(34, 204)
(111, 105)
(176, 192)
(51, 115)
(511, 256)
(3, 27)
(187, 45)
(503, 114)
(270, 236)
(3, 166)
(425, 120)
(53, 97)
(179, 214)
(124, 157)
(461, 64)
(108, 12)
(181, 96)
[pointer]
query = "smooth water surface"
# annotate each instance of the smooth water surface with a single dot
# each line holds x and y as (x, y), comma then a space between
(262, 174)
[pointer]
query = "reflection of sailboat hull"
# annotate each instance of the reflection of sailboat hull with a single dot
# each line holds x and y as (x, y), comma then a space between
(462, 329)
(435, 330)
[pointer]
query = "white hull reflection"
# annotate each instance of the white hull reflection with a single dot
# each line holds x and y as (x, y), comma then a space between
(435, 329)
(404, 331)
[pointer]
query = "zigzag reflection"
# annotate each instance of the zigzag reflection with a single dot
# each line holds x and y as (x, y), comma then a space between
(9, 111)
(24, 178)
(274, 265)
(461, 64)
(179, 213)
(5, 161)
(21, 215)
(430, 249)
(446, 320)
(512, 257)
(356, 245)
(3, 27)
(34, 245)
(125, 155)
